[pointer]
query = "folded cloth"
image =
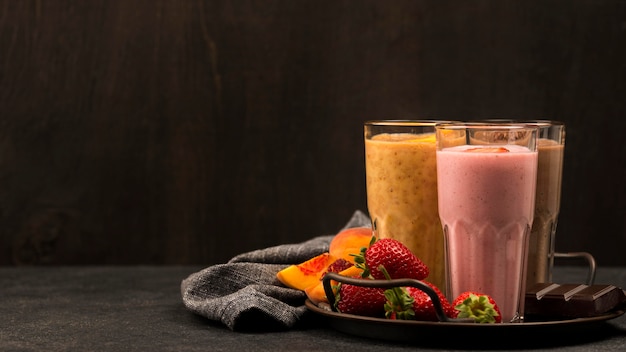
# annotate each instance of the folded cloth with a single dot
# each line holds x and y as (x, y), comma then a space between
(244, 293)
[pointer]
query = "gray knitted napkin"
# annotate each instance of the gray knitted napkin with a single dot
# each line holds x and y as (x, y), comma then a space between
(244, 293)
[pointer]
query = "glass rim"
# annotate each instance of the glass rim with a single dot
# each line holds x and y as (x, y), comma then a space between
(483, 125)
(408, 122)
(538, 122)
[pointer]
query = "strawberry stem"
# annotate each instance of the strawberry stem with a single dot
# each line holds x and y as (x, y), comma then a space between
(399, 303)
(360, 262)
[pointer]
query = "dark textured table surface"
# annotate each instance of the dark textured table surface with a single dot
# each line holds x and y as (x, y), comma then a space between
(139, 308)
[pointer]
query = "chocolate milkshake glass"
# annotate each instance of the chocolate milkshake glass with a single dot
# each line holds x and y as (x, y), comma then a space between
(401, 177)
(486, 176)
(541, 251)
(550, 146)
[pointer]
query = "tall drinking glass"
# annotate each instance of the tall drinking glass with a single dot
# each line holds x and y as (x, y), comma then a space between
(486, 174)
(541, 251)
(401, 175)
(550, 146)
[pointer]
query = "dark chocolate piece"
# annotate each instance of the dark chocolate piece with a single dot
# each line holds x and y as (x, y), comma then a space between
(573, 300)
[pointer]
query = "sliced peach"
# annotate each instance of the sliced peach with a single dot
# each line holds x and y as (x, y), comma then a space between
(307, 273)
(341, 249)
(351, 271)
(316, 292)
(350, 241)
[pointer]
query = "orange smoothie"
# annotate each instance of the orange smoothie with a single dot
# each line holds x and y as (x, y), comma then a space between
(401, 176)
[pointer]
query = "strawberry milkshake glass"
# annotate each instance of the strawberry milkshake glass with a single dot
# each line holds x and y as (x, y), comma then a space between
(486, 175)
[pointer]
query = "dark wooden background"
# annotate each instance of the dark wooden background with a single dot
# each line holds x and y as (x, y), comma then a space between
(185, 132)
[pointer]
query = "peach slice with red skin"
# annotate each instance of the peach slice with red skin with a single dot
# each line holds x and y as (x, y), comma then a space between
(309, 273)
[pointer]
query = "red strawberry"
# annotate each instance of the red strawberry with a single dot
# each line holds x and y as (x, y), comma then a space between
(478, 306)
(411, 303)
(399, 261)
(367, 301)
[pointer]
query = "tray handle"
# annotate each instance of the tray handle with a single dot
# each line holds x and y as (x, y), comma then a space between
(330, 294)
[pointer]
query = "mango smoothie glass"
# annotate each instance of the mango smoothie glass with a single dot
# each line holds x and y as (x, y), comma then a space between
(486, 174)
(401, 178)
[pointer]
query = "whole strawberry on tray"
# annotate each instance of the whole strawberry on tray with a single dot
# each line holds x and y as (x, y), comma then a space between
(394, 256)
